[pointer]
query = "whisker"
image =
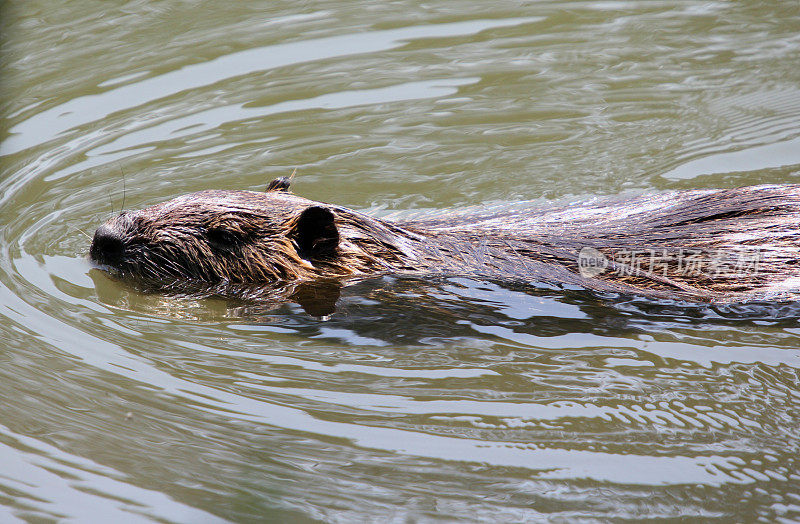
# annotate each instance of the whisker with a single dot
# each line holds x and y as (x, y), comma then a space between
(79, 230)
(123, 188)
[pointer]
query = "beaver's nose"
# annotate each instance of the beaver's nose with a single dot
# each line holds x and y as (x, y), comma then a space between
(107, 245)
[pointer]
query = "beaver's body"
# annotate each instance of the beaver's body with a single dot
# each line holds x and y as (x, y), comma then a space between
(706, 245)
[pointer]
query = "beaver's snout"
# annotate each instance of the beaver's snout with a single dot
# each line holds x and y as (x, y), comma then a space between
(108, 244)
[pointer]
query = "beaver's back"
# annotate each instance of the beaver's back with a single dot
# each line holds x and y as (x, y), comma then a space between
(719, 245)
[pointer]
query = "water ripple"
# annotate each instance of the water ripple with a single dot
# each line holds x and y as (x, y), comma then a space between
(418, 399)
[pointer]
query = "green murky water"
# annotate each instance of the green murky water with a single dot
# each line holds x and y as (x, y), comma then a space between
(418, 400)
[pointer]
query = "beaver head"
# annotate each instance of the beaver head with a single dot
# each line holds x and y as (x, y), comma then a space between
(242, 237)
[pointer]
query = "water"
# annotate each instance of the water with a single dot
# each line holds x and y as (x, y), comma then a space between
(418, 399)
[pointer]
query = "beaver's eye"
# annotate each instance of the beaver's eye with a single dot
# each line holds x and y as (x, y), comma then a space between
(224, 238)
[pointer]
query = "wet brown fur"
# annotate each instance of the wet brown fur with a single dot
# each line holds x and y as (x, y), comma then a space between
(275, 236)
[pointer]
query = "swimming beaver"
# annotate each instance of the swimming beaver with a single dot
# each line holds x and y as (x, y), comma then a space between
(703, 245)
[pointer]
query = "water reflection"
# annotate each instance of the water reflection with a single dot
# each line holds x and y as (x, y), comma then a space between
(414, 311)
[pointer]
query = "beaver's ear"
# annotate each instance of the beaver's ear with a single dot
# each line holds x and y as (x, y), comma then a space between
(280, 184)
(315, 233)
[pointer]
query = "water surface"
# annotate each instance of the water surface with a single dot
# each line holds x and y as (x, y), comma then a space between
(417, 399)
